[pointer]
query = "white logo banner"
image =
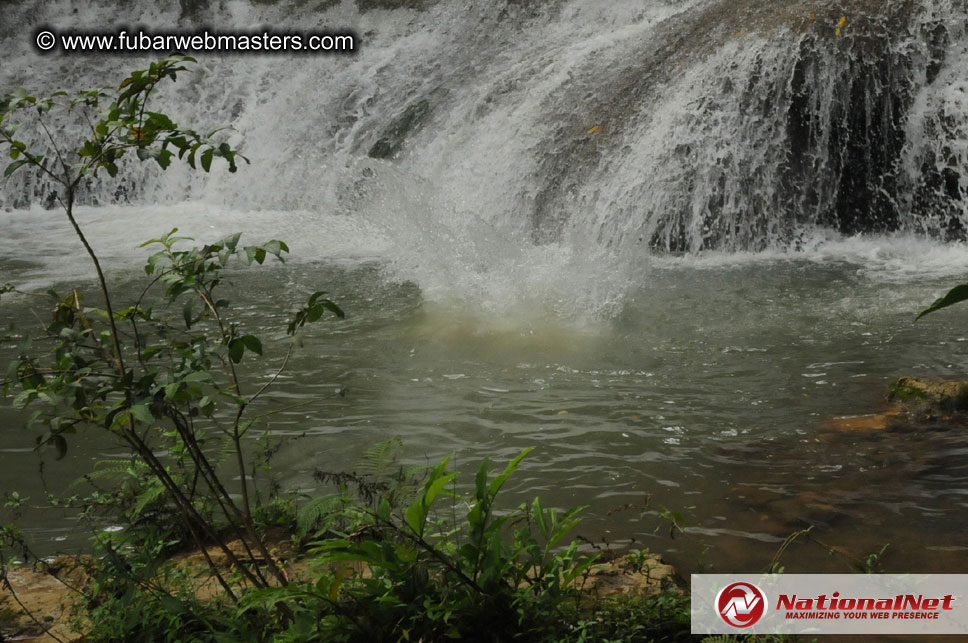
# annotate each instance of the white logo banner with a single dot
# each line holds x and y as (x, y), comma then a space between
(830, 604)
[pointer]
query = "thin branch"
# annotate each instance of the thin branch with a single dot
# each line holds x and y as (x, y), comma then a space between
(102, 281)
(30, 158)
(423, 544)
(189, 511)
(274, 377)
(60, 155)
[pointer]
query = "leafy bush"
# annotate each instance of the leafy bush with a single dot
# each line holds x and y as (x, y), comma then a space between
(494, 576)
(483, 574)
(161, 375)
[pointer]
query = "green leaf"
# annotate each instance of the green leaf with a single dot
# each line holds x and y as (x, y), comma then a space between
(316, 306)
(499, 481)
(187, 312)
(437, 487)
(142, 413)
(232, 241)
(207, 405)
(24, 398)
(314, 313)
(383, 511)
(333, 308)
(276, 247)
(207, 159)
(252, 343)
(13, 167)
(437, 481)
(236, 350)
(60, 444)
(954, 296)
(159, 121)
(255, 253)
(164, 158)
(580, 568)
(191, 154)
(416, 516)
(480, 481)
(538, 515)
(161, 239)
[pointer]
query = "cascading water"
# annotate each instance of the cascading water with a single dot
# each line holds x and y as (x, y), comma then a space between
(643, 236)
(674, 127)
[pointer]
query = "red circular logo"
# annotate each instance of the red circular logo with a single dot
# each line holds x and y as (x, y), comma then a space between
(741, 604)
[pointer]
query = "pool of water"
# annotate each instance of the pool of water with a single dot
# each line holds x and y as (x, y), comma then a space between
(710, 388)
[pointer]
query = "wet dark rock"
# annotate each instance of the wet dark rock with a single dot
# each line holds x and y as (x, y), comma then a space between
(780, 511)
(841, 111)
(808, 508)
(194, 10)
(392, 139)
(861, 136)
(367, 5)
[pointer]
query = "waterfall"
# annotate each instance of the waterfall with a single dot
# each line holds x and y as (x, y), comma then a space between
(626, 129)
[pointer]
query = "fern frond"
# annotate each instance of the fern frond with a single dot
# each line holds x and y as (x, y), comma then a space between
(104, 470)
(380, 458)
(226, 449)
(314, 514)
(147, 497)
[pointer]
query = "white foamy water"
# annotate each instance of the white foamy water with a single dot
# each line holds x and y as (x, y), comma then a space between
(556, 145)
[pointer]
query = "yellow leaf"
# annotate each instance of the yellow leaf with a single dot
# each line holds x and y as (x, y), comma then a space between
(562, 412)
(595, 130)
(813, 16)
(738, 34)
(843, 22)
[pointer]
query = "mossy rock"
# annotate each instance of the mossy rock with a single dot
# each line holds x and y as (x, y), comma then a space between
(943, 396)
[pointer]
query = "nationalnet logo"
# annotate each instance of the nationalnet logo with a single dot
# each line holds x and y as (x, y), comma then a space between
(830, 604)
(741, 604)
(900, 606)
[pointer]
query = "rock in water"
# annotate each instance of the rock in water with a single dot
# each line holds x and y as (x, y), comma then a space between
(394, 136)
(942, 396)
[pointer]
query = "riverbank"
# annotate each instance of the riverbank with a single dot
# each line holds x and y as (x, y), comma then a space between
(45, 604)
